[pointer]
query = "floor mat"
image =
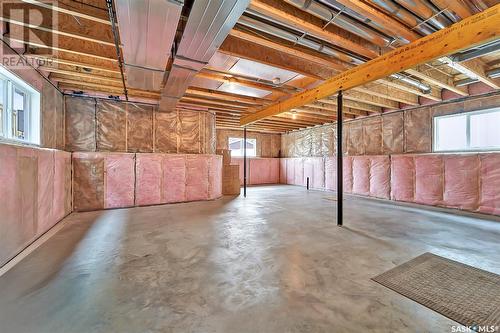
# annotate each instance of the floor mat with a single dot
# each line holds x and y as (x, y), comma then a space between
(465, 294)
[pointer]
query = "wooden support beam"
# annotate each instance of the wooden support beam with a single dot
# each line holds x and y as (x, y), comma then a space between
(477, 29)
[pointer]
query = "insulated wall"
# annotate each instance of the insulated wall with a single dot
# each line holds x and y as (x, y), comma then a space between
(35, 194)
(259, 170)
(115, 126)
(268, 145)
(113, 180)
(462, 181)
(404, 131)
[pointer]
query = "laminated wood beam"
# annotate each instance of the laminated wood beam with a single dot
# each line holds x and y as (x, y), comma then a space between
(475, 30)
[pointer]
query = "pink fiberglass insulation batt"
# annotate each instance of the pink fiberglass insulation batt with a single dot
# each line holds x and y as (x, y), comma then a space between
(318, 172)
(299, 172)
(429, 179)
(331, 173)
(214, 176)
(148, 179)
(490, 184)
(402, 178)
(119, 180)
(264, 171)
(348, 174)
(34, 194)
(308, 171)
(290, 170)
(282, 170)
(196, 178)
(461, 181)
(45, 189)
(174, 175)
(380, 176)
(361, 175)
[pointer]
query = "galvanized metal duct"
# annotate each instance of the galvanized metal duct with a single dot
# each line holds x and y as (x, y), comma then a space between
(426, 11)
(147, 31)
(405, 16)
(304, 41)
(208, 25)
(343, 21)
(355, 15)
(476, 52)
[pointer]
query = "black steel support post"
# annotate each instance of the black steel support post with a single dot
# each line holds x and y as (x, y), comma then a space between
(245, 162)
(340, 177)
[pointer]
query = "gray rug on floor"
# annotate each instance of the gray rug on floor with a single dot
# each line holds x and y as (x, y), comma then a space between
(465, 294)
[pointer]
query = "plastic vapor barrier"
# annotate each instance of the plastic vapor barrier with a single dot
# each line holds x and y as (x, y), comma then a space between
(468, 182)
(112, 180)
(116, 126)
(35, 192)
(80, 124)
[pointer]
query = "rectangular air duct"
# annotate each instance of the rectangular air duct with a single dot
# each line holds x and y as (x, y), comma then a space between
(207, 27)
(147, 31)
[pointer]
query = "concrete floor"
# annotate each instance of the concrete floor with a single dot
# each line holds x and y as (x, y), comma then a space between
(273, 262)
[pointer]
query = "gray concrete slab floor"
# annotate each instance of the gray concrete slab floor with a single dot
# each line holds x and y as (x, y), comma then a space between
(273, 262)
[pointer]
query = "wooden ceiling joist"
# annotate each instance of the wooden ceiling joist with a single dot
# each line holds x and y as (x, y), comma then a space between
(303, 21)
(477, 29)
(266, 55)
(225, 96)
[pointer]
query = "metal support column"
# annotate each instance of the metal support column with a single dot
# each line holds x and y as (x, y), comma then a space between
(340, 177)
(245, 162)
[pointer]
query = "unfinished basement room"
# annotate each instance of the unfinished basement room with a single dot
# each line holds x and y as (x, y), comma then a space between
(241, 166)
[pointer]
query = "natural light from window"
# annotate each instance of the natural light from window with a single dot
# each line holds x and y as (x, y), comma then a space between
(19, 109)
(236, 147)
(472, 131)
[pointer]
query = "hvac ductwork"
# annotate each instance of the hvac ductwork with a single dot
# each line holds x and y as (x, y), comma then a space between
(291, 37)
(208, 25)
(405, 16)
(304, 41)
(147, 31)
(426, 11)
(343, 21)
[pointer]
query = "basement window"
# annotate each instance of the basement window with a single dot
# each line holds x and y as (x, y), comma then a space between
(472, 131)
(19, 109)
(236, 146)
